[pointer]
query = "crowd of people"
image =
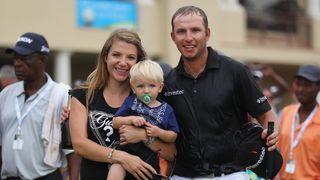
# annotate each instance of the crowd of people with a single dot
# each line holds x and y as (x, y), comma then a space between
(133, 120)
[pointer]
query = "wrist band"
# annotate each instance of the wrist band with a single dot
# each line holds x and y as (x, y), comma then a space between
(110, 154)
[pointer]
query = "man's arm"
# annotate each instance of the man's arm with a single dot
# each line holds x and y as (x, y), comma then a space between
(263, 119)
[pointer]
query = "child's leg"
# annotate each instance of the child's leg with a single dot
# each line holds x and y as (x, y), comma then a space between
(116, 172)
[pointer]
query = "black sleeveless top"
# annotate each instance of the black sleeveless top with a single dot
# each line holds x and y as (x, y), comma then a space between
(99, 130)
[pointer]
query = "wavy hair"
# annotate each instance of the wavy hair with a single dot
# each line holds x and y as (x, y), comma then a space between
(99, 77)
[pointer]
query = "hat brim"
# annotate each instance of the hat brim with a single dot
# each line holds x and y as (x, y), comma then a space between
(19, 50)
(307, 77)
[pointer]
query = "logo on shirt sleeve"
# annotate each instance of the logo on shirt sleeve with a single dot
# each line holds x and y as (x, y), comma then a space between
(261, 99)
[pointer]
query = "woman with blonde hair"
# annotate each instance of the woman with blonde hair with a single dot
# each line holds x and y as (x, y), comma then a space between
(93, 107)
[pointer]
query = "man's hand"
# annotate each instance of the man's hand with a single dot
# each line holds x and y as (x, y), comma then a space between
(271, 140)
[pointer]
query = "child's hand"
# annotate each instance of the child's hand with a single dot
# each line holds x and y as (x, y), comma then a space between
(138, 121)
(64, 114)
(152, 131)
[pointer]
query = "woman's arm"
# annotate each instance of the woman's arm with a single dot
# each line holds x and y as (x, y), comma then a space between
(130, 135)
(95, 152)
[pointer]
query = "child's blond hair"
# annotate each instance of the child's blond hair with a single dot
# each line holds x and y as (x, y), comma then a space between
(148, 70)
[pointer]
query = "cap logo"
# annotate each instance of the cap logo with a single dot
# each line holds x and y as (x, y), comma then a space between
(25, 39)
(44, 49)
(263, 152)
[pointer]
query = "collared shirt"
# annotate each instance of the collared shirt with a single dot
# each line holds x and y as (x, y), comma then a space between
(208, 109)
(306, 154)
(27, 162)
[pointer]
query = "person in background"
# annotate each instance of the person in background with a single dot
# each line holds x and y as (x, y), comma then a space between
(259, 72)
(165, 67)
(211, 95)
(7, 76)
(278, 86)
(145, 110)
(93, 107)
(30, 132)
(300, 128)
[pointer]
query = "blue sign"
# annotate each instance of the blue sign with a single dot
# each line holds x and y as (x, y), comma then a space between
(107, 13)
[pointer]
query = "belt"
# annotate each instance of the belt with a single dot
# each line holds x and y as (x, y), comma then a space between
(224, 169)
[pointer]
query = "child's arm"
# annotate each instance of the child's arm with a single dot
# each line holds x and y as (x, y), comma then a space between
(165, 135)
(118, 121)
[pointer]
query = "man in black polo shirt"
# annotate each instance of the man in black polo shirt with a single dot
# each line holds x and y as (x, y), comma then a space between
(212, 95)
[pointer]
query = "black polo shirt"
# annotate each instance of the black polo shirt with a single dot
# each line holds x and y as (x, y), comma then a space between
(209, 108)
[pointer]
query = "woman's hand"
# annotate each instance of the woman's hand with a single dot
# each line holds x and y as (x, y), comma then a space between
(131, 134)
(137, 167)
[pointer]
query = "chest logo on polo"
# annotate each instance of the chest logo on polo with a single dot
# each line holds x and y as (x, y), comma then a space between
(174, 93)
(261, 99)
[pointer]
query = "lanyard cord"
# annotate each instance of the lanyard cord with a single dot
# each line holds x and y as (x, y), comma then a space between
(294, 142)
(20, 117)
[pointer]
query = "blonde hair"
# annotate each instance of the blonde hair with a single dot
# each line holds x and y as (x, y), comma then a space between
(99, 77)
(148, 69)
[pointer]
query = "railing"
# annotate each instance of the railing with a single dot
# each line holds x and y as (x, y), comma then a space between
(289, 27)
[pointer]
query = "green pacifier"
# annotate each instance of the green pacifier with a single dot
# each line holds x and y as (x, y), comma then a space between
(146, 98)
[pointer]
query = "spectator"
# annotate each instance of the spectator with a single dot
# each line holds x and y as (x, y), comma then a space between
(300, 130)
(30, 132)
(165, 67)
(7, 76)
(277, 87)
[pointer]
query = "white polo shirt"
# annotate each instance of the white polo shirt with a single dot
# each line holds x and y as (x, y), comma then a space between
(28, 162)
